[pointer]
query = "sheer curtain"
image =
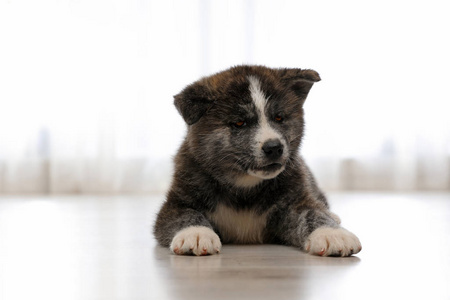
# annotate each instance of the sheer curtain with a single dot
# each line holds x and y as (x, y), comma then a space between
(86, 87)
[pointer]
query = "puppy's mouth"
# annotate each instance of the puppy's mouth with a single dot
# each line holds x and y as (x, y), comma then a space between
(267, 172)
(269, 168)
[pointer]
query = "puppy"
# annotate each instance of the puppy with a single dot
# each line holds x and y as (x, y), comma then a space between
(239, 177)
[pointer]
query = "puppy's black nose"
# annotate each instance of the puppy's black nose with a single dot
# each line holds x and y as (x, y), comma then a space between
(273, 149)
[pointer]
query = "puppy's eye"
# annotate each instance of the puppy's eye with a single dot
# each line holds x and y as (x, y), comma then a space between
(240, 124)
(278, 118)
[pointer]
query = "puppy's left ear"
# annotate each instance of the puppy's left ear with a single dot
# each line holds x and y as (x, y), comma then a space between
(193, 102)
(300, 81)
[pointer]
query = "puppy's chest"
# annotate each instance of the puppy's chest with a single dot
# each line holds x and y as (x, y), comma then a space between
(239, 226)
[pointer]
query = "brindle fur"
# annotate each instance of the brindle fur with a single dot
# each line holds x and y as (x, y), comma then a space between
(214, 152)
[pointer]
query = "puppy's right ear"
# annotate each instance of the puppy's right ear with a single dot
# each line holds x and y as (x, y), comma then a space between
(193, 102)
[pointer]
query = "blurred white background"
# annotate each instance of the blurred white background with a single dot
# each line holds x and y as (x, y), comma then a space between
(86, 87)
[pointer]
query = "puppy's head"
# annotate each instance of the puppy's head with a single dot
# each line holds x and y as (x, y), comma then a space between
(245, 123)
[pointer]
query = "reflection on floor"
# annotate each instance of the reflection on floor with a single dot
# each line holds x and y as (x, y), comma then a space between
(101, 247)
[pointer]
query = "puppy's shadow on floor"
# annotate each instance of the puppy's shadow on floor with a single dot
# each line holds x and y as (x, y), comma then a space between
(248, 258)
(250, 272)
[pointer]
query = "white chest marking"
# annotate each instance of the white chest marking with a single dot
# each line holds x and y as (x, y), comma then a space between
(241, 227)
(246, 181)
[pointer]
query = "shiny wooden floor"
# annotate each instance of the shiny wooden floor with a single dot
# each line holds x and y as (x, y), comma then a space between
(101, 247)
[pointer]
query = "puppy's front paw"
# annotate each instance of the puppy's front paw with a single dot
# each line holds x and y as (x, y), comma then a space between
(327, 241)
(198, 240)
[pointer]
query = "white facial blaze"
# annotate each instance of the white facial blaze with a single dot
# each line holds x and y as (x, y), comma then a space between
(258, 97)
(265, 131)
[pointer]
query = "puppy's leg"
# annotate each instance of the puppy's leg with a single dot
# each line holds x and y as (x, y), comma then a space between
(186, 231)
(311, 225)
(316, 232)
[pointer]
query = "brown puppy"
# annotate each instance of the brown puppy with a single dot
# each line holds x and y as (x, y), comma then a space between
(239, 177)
